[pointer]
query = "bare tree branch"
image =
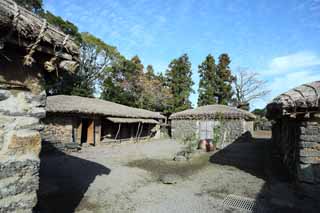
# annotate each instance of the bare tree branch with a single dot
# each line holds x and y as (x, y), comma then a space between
(249, 87)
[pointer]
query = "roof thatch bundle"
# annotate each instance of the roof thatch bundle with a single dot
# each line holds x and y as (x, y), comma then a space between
(21, 27)
(299, 100)
(213, 112)
(92, 106)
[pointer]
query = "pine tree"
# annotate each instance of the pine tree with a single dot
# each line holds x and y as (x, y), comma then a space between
(150, 72)
(208, 81)
(180, 83)
(224, 79)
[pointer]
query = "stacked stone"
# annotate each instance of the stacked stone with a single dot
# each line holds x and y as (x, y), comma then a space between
(20, 144)
(57, 134)
(230, 130)
(309, 152)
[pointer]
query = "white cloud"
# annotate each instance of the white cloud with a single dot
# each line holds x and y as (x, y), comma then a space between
(301, 59)
(287, 72)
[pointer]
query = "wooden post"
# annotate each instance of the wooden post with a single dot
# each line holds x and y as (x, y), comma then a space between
(79, 132)
(97, 130)
(90, 134)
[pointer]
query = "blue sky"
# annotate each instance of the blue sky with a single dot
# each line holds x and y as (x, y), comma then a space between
(278, 39)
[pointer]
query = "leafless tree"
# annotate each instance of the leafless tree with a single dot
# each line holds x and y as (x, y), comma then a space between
(249, 87)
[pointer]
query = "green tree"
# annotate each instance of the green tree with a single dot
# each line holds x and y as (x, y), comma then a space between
(224, 80)
(32, 5)
(123, 82)
(208, 82)
(150, 72)
(95, 57)
(180, 83)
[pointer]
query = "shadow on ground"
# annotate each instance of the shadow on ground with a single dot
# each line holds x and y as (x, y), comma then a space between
(64, 179)
(257, 157)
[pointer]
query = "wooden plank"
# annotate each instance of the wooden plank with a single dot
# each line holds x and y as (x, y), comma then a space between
(97, 130)
(90, 134)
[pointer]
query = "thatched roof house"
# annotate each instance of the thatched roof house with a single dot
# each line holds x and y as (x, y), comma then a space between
(296, 134)
(93, 106)
(213, 112)
(30, 50)
(200, 123)
(77, 120)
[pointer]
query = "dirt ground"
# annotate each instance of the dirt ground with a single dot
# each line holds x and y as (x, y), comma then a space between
(126, 178)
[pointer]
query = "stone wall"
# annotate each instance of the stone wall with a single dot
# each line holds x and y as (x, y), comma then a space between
(22, 105)
(230, 130)
(20, 144)
(298, 140)
(58, 132)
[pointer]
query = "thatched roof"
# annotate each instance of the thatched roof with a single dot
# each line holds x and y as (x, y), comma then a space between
(92, 106)
(21, 27)
(132, 120)
(213, 112)
(302, 99)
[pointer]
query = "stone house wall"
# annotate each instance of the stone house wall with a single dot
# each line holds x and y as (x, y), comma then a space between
(230, 129)
(22, 105)
(58, 132)
(298, 140)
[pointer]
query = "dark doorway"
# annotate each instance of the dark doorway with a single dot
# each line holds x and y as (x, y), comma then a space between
(84, 131)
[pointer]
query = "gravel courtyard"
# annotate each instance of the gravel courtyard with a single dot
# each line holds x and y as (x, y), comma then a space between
(126, 178)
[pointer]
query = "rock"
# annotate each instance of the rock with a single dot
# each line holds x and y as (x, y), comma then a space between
(169, 179)
(22, 142)
(4, 94)
(180, 158)
(72, 146)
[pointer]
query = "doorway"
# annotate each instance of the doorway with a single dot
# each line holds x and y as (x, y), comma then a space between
(84, 131)
(87, 131)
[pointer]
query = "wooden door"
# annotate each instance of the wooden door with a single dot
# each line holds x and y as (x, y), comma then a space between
(90, 134)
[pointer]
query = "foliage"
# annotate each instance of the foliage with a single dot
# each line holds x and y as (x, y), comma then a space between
(224, 79)
(32, 5)
(260, 112)
(128, 84)
(208, 80)
(180, 83)
(191, 141)
(122, 83)
(64, 25)
(215, 81)
(217, 130)
(248, 87)
(95, 57)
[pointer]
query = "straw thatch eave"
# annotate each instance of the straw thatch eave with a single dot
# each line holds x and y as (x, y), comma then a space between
(212, 112)
(303, 99)
(91, 106)
(21, 27)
